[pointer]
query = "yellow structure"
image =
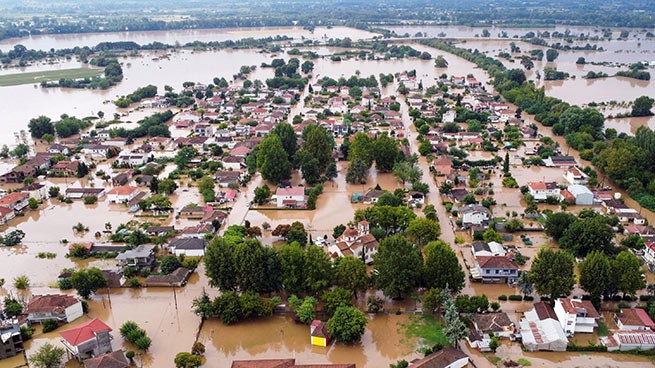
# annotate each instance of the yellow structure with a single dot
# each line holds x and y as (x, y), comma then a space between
(319, 335)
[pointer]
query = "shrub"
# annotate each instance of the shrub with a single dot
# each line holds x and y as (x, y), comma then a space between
(130, 354)
(49, 325)
(198, 348)
(90, 200)
(65, 284)
(502, 297)
(516, 298)
(528, 298)
(134, 282)
(645, 298)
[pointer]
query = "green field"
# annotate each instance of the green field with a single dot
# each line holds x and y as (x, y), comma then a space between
(52, 75)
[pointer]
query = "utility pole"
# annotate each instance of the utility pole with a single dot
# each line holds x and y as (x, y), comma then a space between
(175, 296)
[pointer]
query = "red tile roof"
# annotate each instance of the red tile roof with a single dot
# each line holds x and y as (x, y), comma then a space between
(13, 198)
(500, 262)
(84, 332)
(50, 303)
(123, 190)
(293, 191)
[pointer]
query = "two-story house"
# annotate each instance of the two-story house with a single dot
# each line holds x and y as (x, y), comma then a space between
(188, 246)
(291, 197)
(576, 176)
(576, 315)
(11, 341)
(137, 258)
(122, 194)
(496, 269)
(633, 320)
(540, 191)
(16, 201)
(90, 339)
(62, 308)
(474, 215)
(357, 242)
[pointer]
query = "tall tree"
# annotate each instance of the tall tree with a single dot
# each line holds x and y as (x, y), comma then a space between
(319, 144)
(357, 172)
(626, 270)
(87, 281)
(41, 126)
(287, 137)
(272, 160)
(250, 266)
(385, 153)
(584, 236)
(525, 284)
(641, 106)
(293, 261)
(219, 264)
(552, 273)
(347, 325)
(318, 270)
(422, 230)
(595, 275)
(442, 267)
(47, 356)
(557, 223)
(455, 329)
(398, 264)
(361, 149)
(350, 273)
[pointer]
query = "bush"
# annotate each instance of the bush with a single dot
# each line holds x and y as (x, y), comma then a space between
(134, 282)
(26, 333)
(528, 298)
(90, 200)
(49, 325)
(65, 284)
(130, 354)
(645, 298)
(502, 297)
(198, 348)
(516, 298)
(595, 348)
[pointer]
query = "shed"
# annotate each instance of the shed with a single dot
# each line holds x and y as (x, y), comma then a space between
(319, 334)
(583, 196)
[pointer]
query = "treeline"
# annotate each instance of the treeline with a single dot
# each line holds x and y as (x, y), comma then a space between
(353, 81)
(136, 96)
(112, 74)
(152, 126)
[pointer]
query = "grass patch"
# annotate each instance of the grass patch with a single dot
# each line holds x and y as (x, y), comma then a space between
(427, 328)
(524, 362)
(602, 329)
(494, 360)
(46, 76)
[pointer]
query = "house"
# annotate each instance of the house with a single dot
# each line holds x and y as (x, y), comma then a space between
(319, 334)
(371, 197)
(474, 214)
(234, 163)
(90, 339)
(177, 278)
(449, 116)
(79, 193)
(6, 214)
(541, 330)
(291, 197)
(137, 258)
(114, 359)
(188, 246)
(583, 196)
(240, 151)
(576, 315)
(63, 308)
(480, 248)
(58, 149)
(495, 269)
(37, 191)
(64, 168)
(560, 161)
(459, 194)
(485, 323)
(443, 165)
(197, 231)
(576, 176)
(648, 254)
(283, 363)
(122, 194)
(159, 230)
(629, 340)
(132, 159)
(541, 191)
(15, 201)
(445, 358)
(203, 130)
(97, 150)
(634, 320)
(226, 177)
(11, 341)
(357, 242)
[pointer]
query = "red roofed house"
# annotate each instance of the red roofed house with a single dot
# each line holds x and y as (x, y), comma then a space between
(63, 308)
(291, 197)
(445, 358)
(443, 165)
(356, 242)
(6, 214)
(87, 340)
(116, 359)
(540, 191)
(122, 194)
(16, 201)
(634, 320)
(576, 315)
(495, 269)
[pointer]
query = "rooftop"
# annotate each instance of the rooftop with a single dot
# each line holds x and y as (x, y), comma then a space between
(84, 332)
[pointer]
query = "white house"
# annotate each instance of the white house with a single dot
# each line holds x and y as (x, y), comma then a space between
(62, 308)
(291, 197)
(541, 330)
(540, 191)
(474, 215)
(203, 130)
(449, 116)
(234, 163)
(583, 196)
(37, 191)
(629, 340)
(188, 246)
(481, 249)
(132, 159)
(122, 194)
(576, 315)
(576, 176)
(495, 269)
(96, 150)
(358, 242)
(649, 254)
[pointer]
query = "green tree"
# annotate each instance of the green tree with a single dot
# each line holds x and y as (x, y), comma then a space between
(318, 272)
(183, 157)
(21, 282)
(407, 171)
(595, 275)
(350, 274)
(305, 311)
(584, 236)
(12, 308)
(506, 163)
(551, 55)
(40, 126)
(13, 237)
(626, 270)
(48, 138)
(297, 233)
(287, 137)
(385, 153)
(455, 329)
(338, 230)
(398, 266)
(187, 360)
(552, 273)
(47, 356)
(249, 265)
(347, 325)
(206, 183)
(169, 264)
(87, 281)
(524, 283)
(293, 261)
(361, 149)
(642, 106)
(431, 300)
(422, 230)
(357, 172)
(338, 297)
(262, 193)
(166, 186)
(54, 191)
(442, 267)
(557, 223)
(272, 160)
